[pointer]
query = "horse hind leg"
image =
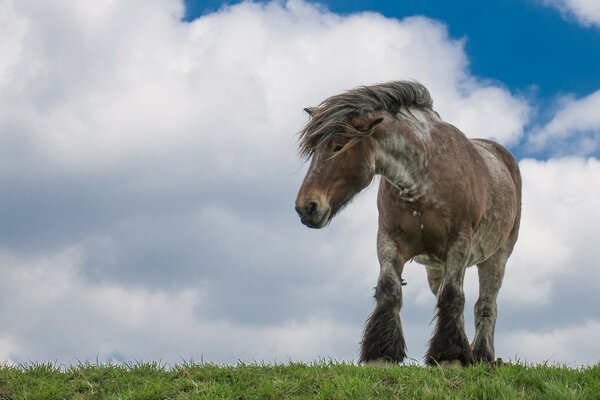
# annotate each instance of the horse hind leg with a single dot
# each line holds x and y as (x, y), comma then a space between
(491, 273)
(434, 277)
(383, 339)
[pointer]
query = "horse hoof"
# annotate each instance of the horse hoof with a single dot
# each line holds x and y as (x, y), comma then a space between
(381, 362)
(450, 364)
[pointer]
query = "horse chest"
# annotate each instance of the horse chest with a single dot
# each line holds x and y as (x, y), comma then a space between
(418, 229)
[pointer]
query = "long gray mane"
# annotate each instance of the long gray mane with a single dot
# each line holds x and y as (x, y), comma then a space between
(332, 116)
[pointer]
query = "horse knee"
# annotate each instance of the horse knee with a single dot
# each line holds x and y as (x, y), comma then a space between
(389, 290)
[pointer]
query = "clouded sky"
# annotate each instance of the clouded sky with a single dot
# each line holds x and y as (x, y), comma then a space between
(148, 173)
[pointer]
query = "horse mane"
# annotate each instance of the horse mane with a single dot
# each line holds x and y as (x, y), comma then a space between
(333, 115)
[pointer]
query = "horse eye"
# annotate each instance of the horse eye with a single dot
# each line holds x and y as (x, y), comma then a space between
(337, 148)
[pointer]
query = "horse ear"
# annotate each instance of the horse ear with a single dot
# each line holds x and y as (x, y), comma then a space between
(310, 110)
(365, 124)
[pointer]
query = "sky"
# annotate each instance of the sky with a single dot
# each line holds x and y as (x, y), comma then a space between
(148, 171)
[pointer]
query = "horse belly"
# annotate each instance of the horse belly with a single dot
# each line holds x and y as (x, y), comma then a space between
(430, 261)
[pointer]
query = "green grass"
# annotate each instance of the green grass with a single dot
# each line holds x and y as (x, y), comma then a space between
(297, 381)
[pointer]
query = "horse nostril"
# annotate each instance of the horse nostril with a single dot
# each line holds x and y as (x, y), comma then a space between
(311, 207)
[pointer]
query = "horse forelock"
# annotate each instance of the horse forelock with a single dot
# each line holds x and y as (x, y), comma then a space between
(332, 116)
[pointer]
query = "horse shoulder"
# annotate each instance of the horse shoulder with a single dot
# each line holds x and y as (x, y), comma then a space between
(456, 184)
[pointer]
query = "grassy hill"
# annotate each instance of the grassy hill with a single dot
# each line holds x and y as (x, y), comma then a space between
(297, 381)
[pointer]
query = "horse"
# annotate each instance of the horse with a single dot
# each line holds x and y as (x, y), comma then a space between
(444, 200)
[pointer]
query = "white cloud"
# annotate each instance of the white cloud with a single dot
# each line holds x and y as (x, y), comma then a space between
(478, 115)
(559, 225)
(114, 322)
(587, 12)
(574, 346)
(545, 305)
(149, 171)
(573, 129)
(123, 80)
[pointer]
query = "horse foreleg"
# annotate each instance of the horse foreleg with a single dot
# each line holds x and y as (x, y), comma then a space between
(383, 339)
(490, 273)
(449, 341)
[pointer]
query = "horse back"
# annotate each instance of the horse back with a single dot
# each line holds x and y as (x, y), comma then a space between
(505, 156)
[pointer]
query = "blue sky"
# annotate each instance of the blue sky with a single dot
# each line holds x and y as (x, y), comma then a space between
(149, 168)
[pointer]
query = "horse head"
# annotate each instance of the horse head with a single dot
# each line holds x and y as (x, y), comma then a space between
(341, 165)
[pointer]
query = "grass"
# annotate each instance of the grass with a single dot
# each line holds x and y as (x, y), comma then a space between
(322, 380)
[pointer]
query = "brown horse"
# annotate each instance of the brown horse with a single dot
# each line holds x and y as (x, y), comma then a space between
(444, 200)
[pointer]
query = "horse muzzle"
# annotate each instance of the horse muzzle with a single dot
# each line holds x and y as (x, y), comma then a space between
(313, 214)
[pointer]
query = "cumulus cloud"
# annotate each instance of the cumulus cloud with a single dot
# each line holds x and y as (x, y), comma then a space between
(146, 86)
(587, 12)
(552, 277)
(557, 345)
(560, 222)
(118, 323)
(573, 129)
(149, 169)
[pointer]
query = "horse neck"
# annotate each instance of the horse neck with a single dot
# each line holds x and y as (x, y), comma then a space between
(401, 158)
